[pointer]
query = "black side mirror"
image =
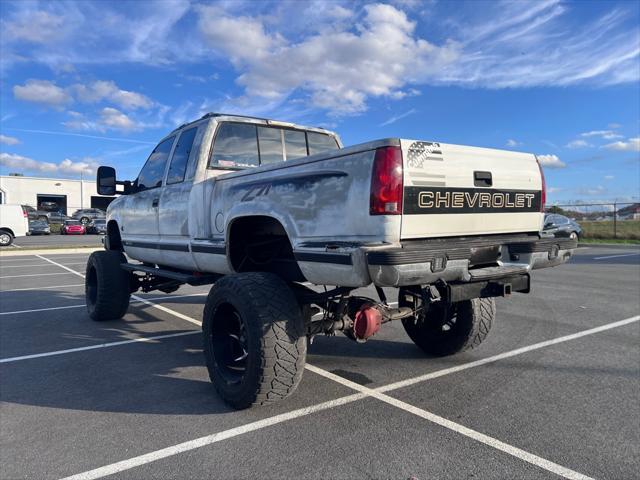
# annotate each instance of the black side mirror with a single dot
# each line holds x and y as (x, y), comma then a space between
(106, 181)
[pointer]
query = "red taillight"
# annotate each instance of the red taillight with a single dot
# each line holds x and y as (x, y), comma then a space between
(386, 182)
(543, 194)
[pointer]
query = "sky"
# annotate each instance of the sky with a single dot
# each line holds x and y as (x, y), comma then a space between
(99, 83)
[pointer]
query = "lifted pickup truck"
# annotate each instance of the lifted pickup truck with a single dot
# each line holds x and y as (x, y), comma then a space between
(266, 211)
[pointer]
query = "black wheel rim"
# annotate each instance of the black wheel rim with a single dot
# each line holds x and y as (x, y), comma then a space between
(91, 286)
(229, 343)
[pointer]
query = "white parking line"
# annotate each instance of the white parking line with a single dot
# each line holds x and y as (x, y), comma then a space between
(94, 347)
(210, 439)
(36, 275)
(616, 256)
(364, 392)
(456, 427)
(511, 353)
(137, 299)
(38, 265)
(41, 288)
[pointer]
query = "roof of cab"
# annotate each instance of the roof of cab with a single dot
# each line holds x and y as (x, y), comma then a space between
(232, 116)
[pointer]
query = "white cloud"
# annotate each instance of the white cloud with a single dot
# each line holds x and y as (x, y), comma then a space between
(609, 177)
(578, 144)
(116, 120)
(109, 119)
(554, 189)
(9, 140)
(101, 90)
(47, 92)
(43, 92)
(35, 27)
(338, 69)
(614, 125)
(66, 166)
(513, 143)
(606, 134)
(631, 145)
(551, 161)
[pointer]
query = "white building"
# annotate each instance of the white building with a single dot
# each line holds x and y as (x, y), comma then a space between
(56, 194)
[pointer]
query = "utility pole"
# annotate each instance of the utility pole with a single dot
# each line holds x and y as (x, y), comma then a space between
(81, 190)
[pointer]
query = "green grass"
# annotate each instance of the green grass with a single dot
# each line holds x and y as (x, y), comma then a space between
(625, 230)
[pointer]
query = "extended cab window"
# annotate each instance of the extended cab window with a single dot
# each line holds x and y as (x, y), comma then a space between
(295, 144)
(320, 142)
(236, 145)
(180, 159)
(270, 141)
(153, 171)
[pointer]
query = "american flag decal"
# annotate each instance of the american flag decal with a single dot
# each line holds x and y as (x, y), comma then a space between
(418, 152)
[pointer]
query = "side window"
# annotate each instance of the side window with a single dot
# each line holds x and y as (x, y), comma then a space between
(320, 142)
(295, 144)
(235, 145)
(180, 158)
(270, 141)
(151, 174)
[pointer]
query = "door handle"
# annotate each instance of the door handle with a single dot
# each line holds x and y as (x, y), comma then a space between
(155, 202)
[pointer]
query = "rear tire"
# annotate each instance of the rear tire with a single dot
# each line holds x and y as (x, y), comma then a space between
(6, 238)
(85, 220)
(449, 329)
(107, 286)
(255, 341)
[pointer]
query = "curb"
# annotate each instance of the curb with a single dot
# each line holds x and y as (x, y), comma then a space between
(47, 251)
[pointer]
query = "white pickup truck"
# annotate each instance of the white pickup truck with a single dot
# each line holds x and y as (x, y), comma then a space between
(266, 210)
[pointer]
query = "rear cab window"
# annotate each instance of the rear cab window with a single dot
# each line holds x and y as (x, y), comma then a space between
(242, 145)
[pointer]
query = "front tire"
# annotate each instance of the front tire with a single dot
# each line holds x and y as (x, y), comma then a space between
(254, 336)
(107, 286)
(447, 329)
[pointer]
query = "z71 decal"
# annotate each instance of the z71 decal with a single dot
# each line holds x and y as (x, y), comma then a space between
(433, 200)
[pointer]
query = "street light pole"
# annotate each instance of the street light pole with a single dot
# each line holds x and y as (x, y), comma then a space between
(81, 190)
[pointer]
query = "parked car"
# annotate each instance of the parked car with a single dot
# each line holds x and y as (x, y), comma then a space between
(98, 227)
(14, 222)
(561, 226)
(35, 214)
(39, 227)
(88, 214)
(72, 227)
(260, 206)
(46, 215)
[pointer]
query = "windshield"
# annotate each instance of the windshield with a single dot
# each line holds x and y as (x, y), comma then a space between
(72, 222)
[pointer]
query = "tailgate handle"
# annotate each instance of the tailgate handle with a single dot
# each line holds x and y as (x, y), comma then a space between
(482, 179)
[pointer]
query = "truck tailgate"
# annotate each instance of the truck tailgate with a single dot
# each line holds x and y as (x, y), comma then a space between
(454, 190)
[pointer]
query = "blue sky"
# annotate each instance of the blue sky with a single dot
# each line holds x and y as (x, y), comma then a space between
(90, 83)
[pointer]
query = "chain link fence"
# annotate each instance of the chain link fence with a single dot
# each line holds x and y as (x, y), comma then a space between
(603, 220)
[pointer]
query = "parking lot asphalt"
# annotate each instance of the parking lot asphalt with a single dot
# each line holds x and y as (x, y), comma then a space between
(553, 392)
